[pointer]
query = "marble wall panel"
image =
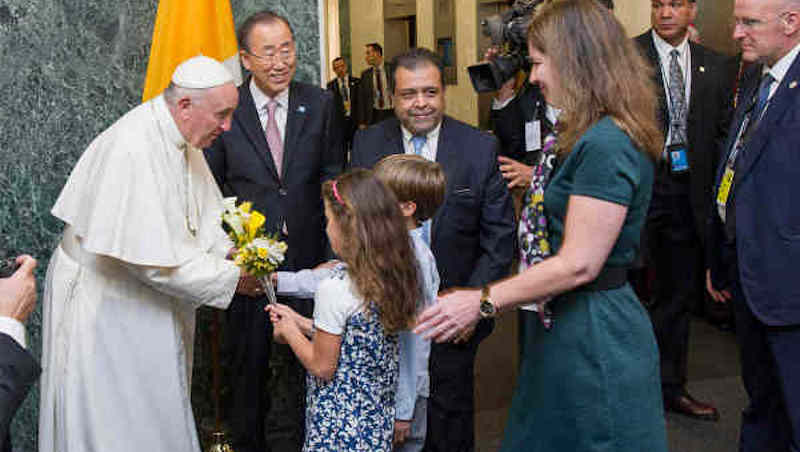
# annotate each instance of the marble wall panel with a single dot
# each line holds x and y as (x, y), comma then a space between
(68, 69)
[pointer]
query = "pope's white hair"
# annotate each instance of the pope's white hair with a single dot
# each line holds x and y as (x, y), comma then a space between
(173, 93)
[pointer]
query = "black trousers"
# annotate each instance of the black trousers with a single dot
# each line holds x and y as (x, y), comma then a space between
(248, 349)
(675, 251)
(451, 405)
(770, 359)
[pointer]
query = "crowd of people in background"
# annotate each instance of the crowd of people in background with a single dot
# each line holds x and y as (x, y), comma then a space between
(625, 181)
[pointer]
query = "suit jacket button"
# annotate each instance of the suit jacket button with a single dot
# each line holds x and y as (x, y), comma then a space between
(282, 192)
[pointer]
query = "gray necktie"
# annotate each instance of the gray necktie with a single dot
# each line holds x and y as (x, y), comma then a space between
(677, 95)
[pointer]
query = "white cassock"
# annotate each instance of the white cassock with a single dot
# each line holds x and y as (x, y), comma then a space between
(142, 249)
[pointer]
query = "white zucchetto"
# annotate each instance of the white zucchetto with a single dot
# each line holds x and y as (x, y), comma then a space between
(201, 72)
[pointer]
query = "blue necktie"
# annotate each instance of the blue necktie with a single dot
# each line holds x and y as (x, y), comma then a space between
(418, 141)
(763, 95)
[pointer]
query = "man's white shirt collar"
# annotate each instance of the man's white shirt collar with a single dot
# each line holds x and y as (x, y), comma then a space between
(261, 100)
(664, 48)
(781, 67)
(431, 142)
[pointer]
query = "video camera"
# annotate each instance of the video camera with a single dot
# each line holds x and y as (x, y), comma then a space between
(509, 32)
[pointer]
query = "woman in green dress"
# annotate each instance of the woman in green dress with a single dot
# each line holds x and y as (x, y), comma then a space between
(589, 382)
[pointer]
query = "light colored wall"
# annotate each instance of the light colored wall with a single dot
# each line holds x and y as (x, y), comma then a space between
(426, 24)
(366, 25)
(462, 101)
(634, 15)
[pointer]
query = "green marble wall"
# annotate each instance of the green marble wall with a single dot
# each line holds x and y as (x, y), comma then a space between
(344, 33)
(68, 69)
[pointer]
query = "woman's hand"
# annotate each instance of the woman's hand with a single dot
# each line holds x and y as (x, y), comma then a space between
(515, 173)
(451, 317)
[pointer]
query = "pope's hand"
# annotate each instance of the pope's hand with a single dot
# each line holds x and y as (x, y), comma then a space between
(249, 285)
(452, 317)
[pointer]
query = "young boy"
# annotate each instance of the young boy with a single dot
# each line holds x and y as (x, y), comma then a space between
(419, 186)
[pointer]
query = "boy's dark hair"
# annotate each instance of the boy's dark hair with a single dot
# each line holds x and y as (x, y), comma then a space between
(413, 178)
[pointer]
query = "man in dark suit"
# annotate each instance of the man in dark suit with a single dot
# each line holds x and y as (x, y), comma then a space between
(345, 94)
(18, 369)
(471, 235)
(285, 140)
(375, 89)
(755, 226)
(695, 91)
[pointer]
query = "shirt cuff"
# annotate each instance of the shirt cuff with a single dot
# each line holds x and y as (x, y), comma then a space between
(499, 105)
(13, 328)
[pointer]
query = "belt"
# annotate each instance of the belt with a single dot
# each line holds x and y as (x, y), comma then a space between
(608, 279)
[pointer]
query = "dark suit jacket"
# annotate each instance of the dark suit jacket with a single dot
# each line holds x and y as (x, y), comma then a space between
(472, 235)
(18, 372)
(710, 105)
(333, 87)
(366, 94)
(313, 153)
(509, 122)
(765, 194)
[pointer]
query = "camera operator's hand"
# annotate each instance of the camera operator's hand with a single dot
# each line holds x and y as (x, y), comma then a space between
(491, 52)
(18, 292)
(515, 173)
(507, 91)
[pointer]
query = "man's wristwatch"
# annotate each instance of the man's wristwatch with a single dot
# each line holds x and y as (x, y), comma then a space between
(487, 308)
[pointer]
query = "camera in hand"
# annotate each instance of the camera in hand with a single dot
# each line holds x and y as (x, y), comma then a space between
(7, 267)
(509, 32)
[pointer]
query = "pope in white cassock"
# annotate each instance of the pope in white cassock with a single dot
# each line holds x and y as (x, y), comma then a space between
(142, 249)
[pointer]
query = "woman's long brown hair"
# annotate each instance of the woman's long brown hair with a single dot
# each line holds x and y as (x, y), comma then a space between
(375, 245)
(601, 73)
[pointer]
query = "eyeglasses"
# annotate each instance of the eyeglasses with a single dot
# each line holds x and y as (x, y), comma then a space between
(284, 55)
(750, 23)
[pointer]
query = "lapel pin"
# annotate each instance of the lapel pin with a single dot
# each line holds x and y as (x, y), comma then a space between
(301, 109)
(793, 85)
(702, 68)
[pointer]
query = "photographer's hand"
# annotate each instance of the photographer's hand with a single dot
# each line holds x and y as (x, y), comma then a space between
(18, 292)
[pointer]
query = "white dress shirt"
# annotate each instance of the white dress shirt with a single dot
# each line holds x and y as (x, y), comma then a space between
(261, 101)
(387, 98)
(663, 48)
(431, 143)
(13, 328)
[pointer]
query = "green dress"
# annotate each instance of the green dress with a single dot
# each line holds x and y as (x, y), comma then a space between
(592, 382)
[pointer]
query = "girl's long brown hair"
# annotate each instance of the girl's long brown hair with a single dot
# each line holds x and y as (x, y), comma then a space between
(375, 245)
(600, 70)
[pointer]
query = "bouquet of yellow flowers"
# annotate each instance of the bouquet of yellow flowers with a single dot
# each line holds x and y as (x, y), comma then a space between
(257, 252)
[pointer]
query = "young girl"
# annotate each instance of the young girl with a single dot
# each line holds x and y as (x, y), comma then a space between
(350, 347)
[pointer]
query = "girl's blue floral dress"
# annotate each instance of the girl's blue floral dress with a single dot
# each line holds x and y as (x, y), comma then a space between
(355, 410)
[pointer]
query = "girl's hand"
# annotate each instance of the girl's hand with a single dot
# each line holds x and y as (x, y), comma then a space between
(279, 311)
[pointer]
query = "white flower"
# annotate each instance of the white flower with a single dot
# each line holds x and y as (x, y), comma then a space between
(275, 249)
(229, 204)
(235, 221)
